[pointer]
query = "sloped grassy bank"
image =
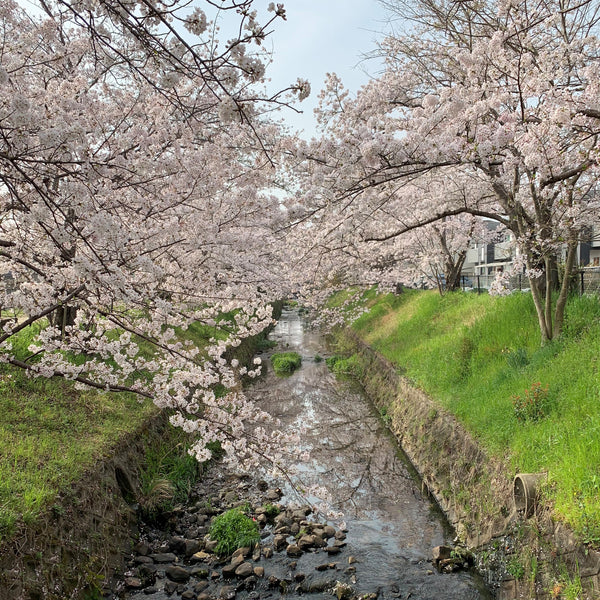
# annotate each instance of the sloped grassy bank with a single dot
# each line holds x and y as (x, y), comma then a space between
(72, 463)
(455, 378)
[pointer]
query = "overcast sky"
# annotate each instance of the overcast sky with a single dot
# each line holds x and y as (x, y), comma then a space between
(323, 36)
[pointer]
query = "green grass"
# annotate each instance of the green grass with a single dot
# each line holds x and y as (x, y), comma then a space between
(475, 353)
(233, 529)
(50, 433)
(168, 475)
(285, 363)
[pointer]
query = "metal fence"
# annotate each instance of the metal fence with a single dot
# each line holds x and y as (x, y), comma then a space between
(585, 281)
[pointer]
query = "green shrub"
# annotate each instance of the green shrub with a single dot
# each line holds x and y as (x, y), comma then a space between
(350, 366)
(232, 530)
(533, 405)
(285, 363)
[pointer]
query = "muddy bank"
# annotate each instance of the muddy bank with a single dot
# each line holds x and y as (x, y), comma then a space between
(521, 556)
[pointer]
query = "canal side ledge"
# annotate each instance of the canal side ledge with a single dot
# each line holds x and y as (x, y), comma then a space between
(521, 551)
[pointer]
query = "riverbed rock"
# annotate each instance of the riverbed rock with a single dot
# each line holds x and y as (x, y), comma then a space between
(317, 586)
(171, 587)
(328, 531)
(201, 586)
(294, 551)
(177, 545)
(259, 571)
(256, 553)
(332, 550)
(201, 556)
(163, 557)
(273, 494)
(237, 560)
(230, 498)
(267, 551)
(299, 515)
(228, 571)
(133, 583)
(306, 541)
(142, 548)
(279, 542)
(244, 552)
(227, 592)
(191, 547)
(244, 570)
(179, 574)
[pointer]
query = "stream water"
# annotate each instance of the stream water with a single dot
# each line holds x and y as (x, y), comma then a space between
(392, 525)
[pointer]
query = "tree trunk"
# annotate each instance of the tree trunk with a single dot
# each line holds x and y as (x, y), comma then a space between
(63, 317)
(566, 283)
(452, 272)
(536, 284)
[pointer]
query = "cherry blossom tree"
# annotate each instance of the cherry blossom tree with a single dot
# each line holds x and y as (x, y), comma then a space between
(501, 93)
(134, 159)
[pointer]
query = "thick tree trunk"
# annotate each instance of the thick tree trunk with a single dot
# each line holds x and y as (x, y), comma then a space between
(452, 272)
(551, 319)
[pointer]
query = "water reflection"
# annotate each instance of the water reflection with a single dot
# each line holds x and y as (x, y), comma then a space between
(392, 526)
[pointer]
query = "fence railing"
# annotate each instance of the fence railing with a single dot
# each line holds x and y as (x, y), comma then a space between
(585, 281)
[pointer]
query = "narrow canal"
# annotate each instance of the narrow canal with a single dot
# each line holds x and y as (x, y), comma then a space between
(392, 526)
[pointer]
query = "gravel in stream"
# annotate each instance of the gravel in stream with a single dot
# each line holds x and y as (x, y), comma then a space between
(299, 554)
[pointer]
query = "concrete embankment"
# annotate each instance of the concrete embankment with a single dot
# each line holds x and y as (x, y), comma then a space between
(523, 552)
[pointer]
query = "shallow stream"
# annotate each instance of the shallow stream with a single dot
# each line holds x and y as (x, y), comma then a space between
(392, 526)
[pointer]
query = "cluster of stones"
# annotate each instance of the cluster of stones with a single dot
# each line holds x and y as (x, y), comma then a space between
(180, 558)
(449, 560)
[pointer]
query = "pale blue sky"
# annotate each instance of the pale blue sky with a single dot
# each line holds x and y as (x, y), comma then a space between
(322, 36)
